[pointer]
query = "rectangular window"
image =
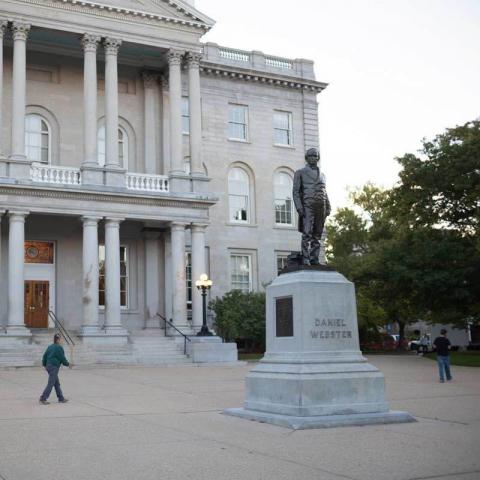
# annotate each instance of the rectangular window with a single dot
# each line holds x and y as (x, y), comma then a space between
(185, 116)
(188, 267)
(282, 260)
(241, 272)
(283, 211)
(237, 122)
(282, 128)
(123, 276)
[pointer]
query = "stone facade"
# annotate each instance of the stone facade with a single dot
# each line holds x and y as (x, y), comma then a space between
(128, 144)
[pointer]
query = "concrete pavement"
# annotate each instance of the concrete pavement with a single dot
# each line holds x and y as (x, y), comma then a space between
(165, 423)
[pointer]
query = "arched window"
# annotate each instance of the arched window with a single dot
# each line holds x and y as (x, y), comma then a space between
(122, 147)
(239, 195)
(37, 138)
(283, 185)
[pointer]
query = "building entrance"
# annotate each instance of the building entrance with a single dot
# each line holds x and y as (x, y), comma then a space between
(36, 303)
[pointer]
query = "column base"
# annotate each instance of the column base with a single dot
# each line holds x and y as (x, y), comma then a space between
(180, 182)
(211, 350)
(16, 335)
(115, 177)
(92, 175)
(200, 183)
(89, 330)
(18, 167)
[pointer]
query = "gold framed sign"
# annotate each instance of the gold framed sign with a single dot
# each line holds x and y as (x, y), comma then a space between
(38, 252)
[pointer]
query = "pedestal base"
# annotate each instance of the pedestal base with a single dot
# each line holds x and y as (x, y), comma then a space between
(211, 350)
(321, 421)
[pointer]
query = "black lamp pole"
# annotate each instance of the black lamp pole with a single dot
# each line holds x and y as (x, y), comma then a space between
(204, 331)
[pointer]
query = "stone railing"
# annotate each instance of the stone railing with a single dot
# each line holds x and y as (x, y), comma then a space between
(258, 61)
(54, 174)
(147, 183)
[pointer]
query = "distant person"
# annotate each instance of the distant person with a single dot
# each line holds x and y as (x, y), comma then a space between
(53, 358)
(442, 346)
(424, 341)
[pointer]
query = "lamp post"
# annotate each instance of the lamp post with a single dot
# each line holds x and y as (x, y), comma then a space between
(203, 285)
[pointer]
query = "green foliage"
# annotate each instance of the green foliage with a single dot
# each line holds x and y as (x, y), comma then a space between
(240, 316)
(414, 251)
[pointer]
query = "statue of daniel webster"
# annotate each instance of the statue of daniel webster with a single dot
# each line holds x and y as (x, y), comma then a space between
(312, 204)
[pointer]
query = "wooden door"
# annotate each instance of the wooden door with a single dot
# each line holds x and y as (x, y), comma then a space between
(36, 303)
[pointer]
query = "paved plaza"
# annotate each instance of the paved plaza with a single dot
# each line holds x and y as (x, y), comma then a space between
(165, 423)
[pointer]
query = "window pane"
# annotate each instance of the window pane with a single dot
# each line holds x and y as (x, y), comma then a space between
(237, 118)
(101, 298)
(123, 299)
(240, 272)
(36, 139)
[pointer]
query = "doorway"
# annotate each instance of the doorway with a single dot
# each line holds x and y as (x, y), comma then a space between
(36, 303)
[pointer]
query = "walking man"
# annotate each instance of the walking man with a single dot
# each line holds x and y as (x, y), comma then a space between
(53, 358)
(442, 347)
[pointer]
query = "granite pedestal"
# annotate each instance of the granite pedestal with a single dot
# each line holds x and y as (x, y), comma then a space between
(313, 374)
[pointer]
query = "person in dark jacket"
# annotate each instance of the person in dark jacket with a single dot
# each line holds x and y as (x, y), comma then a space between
(53, 358)
(442, 347)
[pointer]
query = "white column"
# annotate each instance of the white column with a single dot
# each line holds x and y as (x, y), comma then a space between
(19, 81)
(152, 279)
(90, 43)
(199, 266)
(168, 275)
(113, 320)
(150, 128)
(3, 27)
(16, 282)
(179, 281)
(90, 275)
(175, 88)
(193, 60)
(111, 102)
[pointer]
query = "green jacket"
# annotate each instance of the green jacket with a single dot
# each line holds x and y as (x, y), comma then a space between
(54, 355)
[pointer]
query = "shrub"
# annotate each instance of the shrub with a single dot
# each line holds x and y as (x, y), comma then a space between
(240, 317)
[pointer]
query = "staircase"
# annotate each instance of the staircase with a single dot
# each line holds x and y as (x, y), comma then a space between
(143, 348)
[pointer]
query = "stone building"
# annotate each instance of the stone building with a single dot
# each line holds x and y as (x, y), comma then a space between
(133, 158)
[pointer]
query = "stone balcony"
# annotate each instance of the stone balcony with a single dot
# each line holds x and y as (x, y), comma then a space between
(258, 61)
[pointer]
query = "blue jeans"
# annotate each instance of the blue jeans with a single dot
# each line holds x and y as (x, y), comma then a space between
(53, 381)
(444, 365)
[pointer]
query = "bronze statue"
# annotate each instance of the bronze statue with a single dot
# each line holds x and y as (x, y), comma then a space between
(312, 204)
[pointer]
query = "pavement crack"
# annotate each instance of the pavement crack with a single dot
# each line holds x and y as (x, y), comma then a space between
(444, 475)
(443, 420)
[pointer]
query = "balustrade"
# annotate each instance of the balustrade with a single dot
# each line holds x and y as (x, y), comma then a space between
(147, 183)
(54, 174)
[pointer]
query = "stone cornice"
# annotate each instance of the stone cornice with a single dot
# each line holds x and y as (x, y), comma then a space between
(261, 77)
(105, 10)
(113, 198)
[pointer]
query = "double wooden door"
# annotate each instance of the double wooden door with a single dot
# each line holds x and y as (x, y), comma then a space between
(36, 303)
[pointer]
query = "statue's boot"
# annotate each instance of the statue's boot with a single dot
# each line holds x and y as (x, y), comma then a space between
(314, 251)
(305, 249)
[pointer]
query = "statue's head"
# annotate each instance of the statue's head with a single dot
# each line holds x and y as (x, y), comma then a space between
(312, 156)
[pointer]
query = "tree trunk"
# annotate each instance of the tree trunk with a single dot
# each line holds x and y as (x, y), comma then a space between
(401, 333)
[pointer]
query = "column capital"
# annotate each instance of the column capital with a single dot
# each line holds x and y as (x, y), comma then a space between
(198, 227)
(90, 220)
(175, 57)
(20, 30)
(178, 226)
(113, 222)
(193, 59)
(90, 42)
(3, 26)
(111, 45)
(164, 82)
(17, 215)
(149, 79)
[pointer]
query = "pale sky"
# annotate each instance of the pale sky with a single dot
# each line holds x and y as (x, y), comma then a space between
(398, 71)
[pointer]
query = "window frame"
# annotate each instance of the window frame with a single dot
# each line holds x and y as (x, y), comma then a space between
(246, 124)
(248, 207)
(289, 130)
(125, 146)
(283, 255)
(127, 277)
(277, 199)
(249, 256)
(49, 138)
(185, 116)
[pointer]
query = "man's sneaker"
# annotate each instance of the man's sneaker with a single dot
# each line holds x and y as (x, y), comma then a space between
(442, 381)
(43, 402)
(64, 400)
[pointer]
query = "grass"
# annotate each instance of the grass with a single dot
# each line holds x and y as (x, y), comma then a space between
(463, 359)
